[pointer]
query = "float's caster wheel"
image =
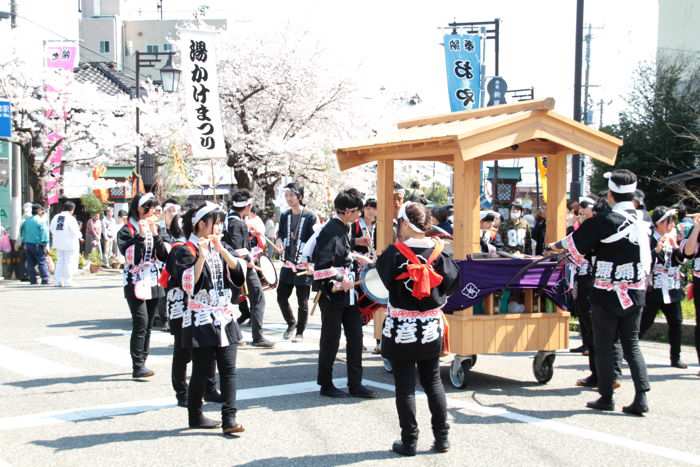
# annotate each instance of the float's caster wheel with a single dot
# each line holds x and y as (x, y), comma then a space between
(459, 369)
(387, 365)
(543, 366)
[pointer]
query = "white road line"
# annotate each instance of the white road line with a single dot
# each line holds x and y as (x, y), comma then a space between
(110, 410)
(126, 408)
(26, 364)
(607, 438)
(91, 349)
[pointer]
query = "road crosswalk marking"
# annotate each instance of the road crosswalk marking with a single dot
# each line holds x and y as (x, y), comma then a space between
(91, 349)
(26, 364)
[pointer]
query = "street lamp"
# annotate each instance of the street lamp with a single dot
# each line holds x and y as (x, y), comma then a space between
(170, 76)
(170, 79)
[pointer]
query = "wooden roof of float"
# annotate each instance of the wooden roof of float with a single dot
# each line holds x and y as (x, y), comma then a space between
(500, 132)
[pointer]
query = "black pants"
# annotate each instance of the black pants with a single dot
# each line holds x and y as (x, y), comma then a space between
(255, 308)
(674, 319)
(142, 314)
(225, 358)
(607, 326)
(162, 312)
(181, 357)
(284, 291)
(404, 372)
(332, 317)
(696, 299)
(583, 307)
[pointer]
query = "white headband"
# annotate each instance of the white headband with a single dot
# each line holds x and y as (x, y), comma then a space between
(203, 211)
(402, 215)
(171, 205)
(145, 198)
(242, 204)
(585, 199)
(622, 189)
(669, 213)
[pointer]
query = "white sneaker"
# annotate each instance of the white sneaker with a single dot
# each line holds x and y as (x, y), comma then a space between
(298, 338)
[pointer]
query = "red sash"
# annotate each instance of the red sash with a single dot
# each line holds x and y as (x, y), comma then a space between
(164, 274)
(423, 276)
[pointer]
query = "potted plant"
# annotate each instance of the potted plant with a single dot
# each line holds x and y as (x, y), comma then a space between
(95, 260)
(91, 204)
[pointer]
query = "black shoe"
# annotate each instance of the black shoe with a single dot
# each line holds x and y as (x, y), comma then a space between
(405, 449)
(214, 396)
(441, 445)
(332, 391)
(602, 404)
(142, 372)
(679, 364)
(263, 343)
(639, 406)
(579, 349)
(363, 392)
(288, 333)
(200, 421)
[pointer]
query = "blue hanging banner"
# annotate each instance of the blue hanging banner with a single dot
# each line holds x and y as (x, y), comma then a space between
(5, 119)
(463, 61)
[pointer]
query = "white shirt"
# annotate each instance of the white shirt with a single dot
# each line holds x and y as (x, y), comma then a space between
(65, 232)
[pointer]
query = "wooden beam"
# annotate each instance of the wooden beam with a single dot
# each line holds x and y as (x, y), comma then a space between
(431, 151)
(542, 104)
(556, 198)
(385, 204)
(466, 207)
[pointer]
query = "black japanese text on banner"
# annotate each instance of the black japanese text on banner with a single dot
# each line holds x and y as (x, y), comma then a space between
(201, 88)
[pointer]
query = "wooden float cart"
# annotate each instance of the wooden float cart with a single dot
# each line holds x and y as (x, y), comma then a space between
(464, 140)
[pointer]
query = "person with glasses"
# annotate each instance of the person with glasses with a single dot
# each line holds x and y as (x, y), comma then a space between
(335, 277)
(140, 243)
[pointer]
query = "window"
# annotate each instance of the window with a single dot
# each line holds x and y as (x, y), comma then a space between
(167, 47)
(152, 49)
(104, 47)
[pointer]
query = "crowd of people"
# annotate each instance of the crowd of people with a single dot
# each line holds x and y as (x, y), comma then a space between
(200, 267)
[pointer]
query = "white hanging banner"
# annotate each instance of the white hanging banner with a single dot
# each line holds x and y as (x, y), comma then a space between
(201, 87)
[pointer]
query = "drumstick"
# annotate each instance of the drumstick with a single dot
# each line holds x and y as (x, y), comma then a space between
(317, 298)
(304, 273)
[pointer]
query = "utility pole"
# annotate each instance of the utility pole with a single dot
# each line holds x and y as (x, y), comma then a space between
(575, 189)
(13, 14)
(160, 7)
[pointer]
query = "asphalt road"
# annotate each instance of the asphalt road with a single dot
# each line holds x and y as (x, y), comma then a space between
(67, 399)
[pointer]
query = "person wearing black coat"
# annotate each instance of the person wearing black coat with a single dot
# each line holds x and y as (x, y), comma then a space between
(334, 277)
(413, 330)
(212, 278)
(665, 292)
(140, 243)
(238, 238)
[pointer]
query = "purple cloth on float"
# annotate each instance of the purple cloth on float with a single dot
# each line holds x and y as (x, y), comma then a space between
(479, 278)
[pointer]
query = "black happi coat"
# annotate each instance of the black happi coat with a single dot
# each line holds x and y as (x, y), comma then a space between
(618, 262)
(414, 338)
(237, 235)
(333, 250)
(665, 270)
(180, 261)
(360, 229)
(175, 297)
(132, 245)
(292, 249)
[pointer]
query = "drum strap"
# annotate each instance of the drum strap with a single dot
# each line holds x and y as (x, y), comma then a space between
(423, 275)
